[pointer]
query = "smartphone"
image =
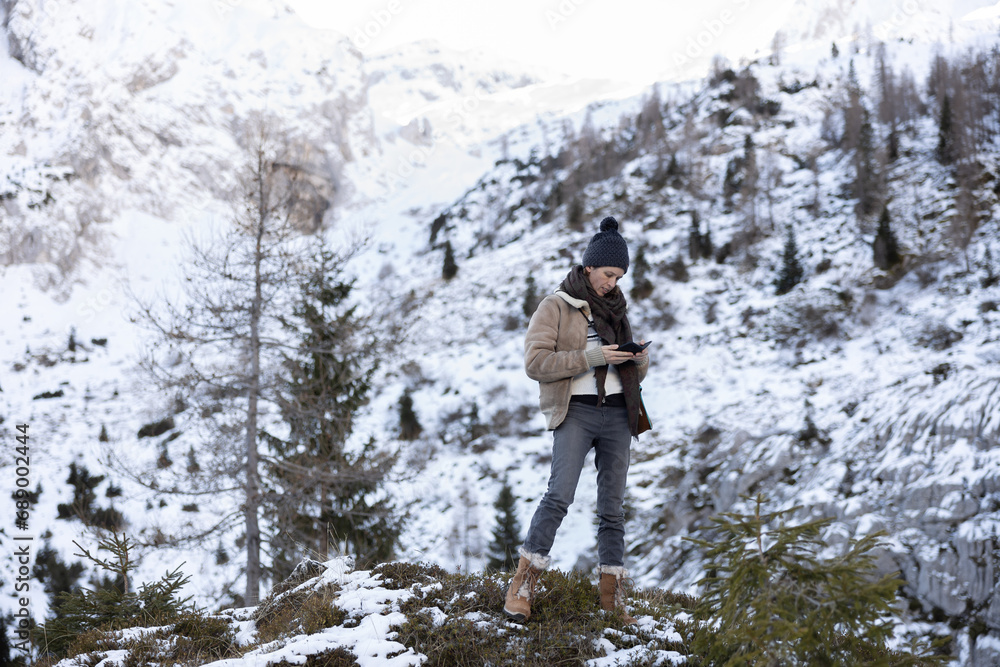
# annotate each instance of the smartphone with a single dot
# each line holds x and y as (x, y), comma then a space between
(634, 347)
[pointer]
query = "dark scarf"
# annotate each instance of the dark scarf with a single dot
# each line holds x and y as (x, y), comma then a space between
(611, 324)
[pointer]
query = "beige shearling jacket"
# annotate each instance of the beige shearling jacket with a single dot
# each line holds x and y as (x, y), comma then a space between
(555, 351)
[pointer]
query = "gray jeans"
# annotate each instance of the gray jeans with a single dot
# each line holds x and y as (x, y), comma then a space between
(606, 430)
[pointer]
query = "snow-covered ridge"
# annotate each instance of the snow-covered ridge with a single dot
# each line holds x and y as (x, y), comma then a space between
(866, 22)
(375, 618)
(469, 97)
(142, 106)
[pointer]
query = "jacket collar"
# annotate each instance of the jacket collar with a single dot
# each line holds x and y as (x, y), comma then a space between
(579, 304)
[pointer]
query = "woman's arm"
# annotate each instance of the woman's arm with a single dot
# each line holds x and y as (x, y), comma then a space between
(543, 362)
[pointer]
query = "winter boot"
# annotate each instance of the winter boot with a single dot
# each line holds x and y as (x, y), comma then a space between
(612, 589)
(522, 586)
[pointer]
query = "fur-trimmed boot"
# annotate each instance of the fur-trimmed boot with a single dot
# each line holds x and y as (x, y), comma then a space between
(522, 586)
(612, 589)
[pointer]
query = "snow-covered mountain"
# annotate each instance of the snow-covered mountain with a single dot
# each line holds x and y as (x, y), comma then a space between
(866, 396)
(865, 21)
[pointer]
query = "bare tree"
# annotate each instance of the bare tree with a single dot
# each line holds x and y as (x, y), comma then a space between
(751, 177)
(650, 133)
(853, 110)
(226, 336)
(778, 43)
(968, 215)
(771, 177)
(885, 85)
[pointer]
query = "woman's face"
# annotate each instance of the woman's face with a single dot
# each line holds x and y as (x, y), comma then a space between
(604, 278)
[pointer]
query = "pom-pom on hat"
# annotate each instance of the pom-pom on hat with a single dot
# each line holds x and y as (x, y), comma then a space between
(607, 248)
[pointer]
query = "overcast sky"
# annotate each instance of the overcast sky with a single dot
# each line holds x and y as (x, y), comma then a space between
(634, 40)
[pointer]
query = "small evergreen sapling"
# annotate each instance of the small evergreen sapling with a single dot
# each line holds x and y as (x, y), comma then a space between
(771, 598)
(506, 533)
(114, 606)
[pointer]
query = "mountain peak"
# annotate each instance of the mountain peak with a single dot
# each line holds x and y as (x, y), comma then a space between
(926, 21)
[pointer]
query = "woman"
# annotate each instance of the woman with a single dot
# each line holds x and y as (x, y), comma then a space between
(589, 393)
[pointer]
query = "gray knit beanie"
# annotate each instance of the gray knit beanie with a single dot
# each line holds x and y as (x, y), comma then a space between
(607, 248)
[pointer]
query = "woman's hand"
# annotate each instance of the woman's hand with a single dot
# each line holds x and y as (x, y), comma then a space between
(614, 356)
(642, 356)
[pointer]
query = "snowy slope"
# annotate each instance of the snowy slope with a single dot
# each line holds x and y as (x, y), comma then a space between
(859, 396)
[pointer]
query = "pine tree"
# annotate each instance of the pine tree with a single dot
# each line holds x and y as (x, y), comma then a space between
(531, 300)
(642, 286)
(83, 505)
(751, 173)
(770, 597)
(885, 248)
(892, 146)
(506, 533)
(450, 268)
(319, 488)
(791, 270)
(694, 238)
(990, 279)
(946, 149)
(409, 424)
(866, 177)
(83, 483)
(674, 167)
